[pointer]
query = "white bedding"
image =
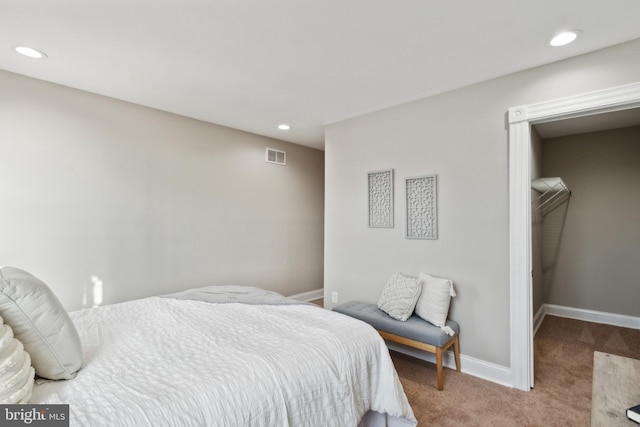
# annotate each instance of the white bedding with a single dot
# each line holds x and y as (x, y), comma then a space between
(164, 362)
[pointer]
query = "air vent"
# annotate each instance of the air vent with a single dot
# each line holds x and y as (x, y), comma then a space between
(276, 156)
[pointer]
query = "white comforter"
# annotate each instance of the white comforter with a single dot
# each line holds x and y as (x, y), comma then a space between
(164, 362)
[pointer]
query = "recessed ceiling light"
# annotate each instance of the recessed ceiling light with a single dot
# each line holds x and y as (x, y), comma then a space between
(284, 126)
(565, 38)
(31, 52)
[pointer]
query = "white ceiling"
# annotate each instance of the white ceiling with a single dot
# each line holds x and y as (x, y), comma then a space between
(251, 65)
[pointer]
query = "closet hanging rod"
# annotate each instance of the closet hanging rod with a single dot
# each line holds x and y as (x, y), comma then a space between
(554, 193)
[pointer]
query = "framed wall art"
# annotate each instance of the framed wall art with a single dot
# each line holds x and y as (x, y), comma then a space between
(422, 207)
(380, 185)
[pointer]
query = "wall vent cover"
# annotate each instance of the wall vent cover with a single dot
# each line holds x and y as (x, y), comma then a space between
(276, 156)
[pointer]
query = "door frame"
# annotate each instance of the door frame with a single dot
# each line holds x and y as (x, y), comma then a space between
(520, 121)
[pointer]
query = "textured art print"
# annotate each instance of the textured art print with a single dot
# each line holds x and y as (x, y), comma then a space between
(422, 212)
(381, 199)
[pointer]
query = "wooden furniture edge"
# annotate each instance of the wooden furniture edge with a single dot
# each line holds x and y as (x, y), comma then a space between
(431, 349)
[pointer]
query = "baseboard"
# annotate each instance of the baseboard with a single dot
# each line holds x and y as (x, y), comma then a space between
(538, 318)
(469, 365)
(309, 296)
(592, 316)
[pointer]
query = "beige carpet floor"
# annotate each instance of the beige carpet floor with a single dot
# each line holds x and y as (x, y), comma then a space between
(561, 396)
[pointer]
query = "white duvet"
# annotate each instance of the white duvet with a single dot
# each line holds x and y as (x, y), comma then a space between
(164, 362)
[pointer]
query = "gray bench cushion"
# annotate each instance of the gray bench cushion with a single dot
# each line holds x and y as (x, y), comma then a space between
(414, 328)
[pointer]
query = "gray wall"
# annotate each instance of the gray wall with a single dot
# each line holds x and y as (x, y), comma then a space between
(461, 136)
(149, 202)
(597, 234)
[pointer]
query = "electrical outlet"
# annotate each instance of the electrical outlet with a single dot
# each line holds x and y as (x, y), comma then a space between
(334, 297)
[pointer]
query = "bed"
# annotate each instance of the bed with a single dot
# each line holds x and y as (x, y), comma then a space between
(228, 356)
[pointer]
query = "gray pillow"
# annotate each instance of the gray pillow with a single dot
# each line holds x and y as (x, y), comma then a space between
(399, 296)
(41, 323)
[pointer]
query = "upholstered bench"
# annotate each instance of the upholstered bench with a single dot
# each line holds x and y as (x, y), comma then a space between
(415, 332)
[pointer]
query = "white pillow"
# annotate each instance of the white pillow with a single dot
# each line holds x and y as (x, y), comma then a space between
(433, 304)
(399, 296)
(39, 320)
(16, 373)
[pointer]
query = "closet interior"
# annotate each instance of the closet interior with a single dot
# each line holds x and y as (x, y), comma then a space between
(585, 210)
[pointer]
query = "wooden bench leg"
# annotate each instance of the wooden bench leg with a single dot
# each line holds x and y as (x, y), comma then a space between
(456, 353)
(439, 368)
(439, 351)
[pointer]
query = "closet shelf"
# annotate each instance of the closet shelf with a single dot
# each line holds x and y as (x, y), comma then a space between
(554, 192)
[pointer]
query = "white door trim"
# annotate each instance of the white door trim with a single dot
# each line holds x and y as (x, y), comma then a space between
(520, 120)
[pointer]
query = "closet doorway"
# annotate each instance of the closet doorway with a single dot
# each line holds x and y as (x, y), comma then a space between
(587, 108)
(585, 245)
